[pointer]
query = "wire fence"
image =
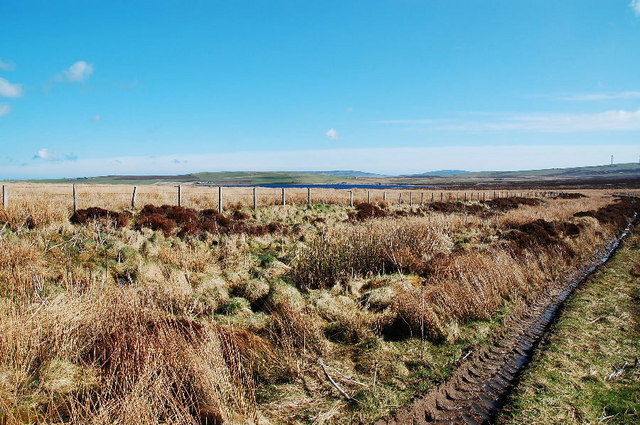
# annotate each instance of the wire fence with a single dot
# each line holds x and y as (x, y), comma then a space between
(222, 198)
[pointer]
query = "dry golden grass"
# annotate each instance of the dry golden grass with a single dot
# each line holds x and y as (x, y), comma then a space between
(101, 325)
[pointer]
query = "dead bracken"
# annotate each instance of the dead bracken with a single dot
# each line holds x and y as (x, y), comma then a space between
(85, 216)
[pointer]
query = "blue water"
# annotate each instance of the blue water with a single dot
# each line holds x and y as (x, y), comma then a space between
(319, 186)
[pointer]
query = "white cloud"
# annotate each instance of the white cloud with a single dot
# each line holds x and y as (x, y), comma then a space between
(46, 155)
(76, 73)
(332, 134)
(8, 89)
(5, 108)
(6, 66)
(635, 6)
(603, 96)
(97, 118)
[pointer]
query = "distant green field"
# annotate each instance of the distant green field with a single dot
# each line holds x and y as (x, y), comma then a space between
(235, 177)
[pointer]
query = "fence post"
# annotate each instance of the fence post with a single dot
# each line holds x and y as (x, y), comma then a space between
(421, 198)
(308, 196)
(400, 198)
(179, 195)
(220, 200)
(133, 198)
(431, 197)
(384, 196)
(440, 196)
(368, 196)
(255, 199)
(410, 199)
(284, 197)
(351, 198)
(75, 198)
(465, 197)
(5, 197)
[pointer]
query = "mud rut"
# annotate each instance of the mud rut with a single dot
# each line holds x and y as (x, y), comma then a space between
(477, 389)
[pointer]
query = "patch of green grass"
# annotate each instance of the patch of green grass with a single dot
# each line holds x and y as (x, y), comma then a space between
(597, 332)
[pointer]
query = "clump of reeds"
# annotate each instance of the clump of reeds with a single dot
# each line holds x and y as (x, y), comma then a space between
(399, 245)
(149, 367)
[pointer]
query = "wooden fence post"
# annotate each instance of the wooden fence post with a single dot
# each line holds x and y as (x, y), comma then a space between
(220, 200)
(284, 197)
(75, 198)
(432, 197)
(351, 198)
(179, 195)
(133, 198)
(384, 196)
(5, 197)
(308, 196)
(255, 199)
(368, 196)
(421, 198)
(440, 196)
(410, 199)
(400, 198)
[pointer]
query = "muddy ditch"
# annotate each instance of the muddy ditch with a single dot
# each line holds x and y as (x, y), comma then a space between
(477, 389)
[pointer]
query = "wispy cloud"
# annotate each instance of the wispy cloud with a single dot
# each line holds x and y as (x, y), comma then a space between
(587, 97)
(332, 134)
(417, 121)
(6, 65)
(619, 120)
(5, 108)
(97, 118)
(615, 120)
(8, 89)
(635, 6)
(79, 72)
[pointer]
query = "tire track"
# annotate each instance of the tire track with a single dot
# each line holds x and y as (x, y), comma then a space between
(477, 389)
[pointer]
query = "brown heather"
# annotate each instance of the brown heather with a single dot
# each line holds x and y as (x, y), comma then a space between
(221, 319)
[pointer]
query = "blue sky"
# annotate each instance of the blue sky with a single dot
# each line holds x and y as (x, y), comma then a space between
(163, 87)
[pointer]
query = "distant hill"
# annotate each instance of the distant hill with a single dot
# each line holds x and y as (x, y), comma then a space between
(599, 171)
(350, 173)
(603, 173)
(439, 173)
(617, 175)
